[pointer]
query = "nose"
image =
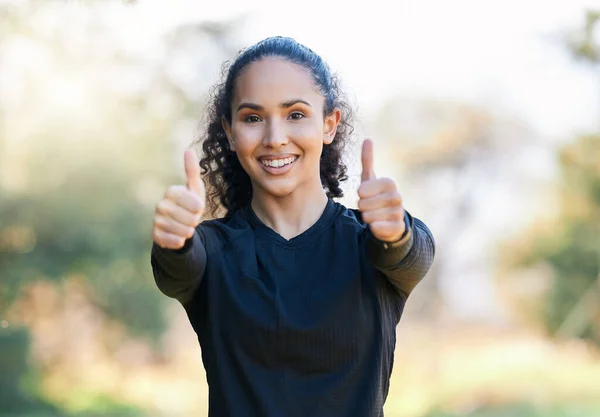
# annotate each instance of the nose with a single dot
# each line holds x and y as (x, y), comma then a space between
(275, 135)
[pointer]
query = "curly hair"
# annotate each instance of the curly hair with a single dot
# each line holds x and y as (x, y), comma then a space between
(228, 185)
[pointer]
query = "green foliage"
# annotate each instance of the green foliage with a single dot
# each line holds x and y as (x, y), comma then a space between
(576, 258)
(63, 237)
(91, 166)
(584, 46)
(17, 383)
(92, 128)
(571, 245)
(19, 387)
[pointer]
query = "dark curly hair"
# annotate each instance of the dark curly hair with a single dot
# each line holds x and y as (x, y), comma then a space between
(228, 185)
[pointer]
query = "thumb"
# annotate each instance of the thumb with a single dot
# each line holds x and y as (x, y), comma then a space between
(192, 172)
(367, 161)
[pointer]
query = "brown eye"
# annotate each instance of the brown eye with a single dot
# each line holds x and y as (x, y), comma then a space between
(296, 115)
(252, 119)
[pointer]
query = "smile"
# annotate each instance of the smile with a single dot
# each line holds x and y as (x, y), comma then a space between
(278, 166)
(278, 163)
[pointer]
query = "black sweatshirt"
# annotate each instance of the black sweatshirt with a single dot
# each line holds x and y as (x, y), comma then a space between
(302, 327)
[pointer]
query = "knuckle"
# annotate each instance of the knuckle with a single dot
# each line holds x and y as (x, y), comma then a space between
(170, 225)
(159, 221)
(367, 217)
(195, 202)
(157, 237)
(392, 199)
(363, 191)
(162, 207)
(376, 229)
(196, 219)
(388, 182)
(172, 240)
(185, 218)
(397, 215)
(170, 191)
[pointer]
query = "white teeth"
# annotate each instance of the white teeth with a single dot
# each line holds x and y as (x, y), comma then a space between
(276, 163)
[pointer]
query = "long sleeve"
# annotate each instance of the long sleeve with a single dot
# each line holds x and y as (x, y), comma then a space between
(407, 261)
(178, 272)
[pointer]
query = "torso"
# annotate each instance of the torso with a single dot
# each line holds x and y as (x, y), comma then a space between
(299, 327)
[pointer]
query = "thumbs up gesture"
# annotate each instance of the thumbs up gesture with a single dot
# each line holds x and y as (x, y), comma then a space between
(181, 209)
(379, 201)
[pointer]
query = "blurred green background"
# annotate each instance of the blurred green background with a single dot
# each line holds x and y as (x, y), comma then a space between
(488, 117)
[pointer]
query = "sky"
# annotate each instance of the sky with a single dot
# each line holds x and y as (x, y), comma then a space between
(508, 53)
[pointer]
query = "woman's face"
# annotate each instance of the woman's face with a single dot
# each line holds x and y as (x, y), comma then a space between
(277, 126)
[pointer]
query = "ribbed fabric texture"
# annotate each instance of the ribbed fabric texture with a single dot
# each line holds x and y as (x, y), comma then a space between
(300, 327)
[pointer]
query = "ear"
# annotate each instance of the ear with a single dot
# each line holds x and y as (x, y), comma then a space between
(330, 125)
(227, 128)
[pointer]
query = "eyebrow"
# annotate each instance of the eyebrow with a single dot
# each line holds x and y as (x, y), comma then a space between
(283, 105)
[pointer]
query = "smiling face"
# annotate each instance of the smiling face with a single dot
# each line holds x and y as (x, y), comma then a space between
(278, 129)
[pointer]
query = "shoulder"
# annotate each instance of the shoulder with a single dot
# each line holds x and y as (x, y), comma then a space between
(349, 217)
(423, 229)
(216, 233)
(353, 218)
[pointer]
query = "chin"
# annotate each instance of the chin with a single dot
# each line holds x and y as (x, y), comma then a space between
(279, 191)
(283, 189)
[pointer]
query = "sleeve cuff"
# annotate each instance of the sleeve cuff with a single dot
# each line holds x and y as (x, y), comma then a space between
(386, 254)
(181, 252)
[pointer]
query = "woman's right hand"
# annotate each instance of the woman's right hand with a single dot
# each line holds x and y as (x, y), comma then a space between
(181, 209)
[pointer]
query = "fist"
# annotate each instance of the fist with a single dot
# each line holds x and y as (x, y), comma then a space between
(181, 209)
(379, 201)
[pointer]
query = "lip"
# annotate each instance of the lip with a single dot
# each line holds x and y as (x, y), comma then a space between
(276, 156)
(279, 170)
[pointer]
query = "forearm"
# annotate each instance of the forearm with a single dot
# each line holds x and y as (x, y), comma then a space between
(407, 261)
(178, 273)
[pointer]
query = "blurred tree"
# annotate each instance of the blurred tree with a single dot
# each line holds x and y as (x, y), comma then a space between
(570, 244)
(584, 44)
(91, 132)
(16, 391)
(79, 190)
(455, 158)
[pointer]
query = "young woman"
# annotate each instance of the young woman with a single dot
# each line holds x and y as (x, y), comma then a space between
(294, 297)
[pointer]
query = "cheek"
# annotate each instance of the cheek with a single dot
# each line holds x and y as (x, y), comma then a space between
(247, 138)
(308, 136)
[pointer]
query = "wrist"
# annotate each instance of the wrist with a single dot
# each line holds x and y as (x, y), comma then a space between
(398, 240)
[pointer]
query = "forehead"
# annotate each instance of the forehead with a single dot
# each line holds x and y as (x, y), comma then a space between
(275, 79)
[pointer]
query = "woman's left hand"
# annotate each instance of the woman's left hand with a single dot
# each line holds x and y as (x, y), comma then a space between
(379, 201)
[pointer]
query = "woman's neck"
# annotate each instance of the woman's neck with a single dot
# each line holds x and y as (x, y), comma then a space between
(291, 215)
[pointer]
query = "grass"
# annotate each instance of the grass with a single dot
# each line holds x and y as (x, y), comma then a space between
(528, 410)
